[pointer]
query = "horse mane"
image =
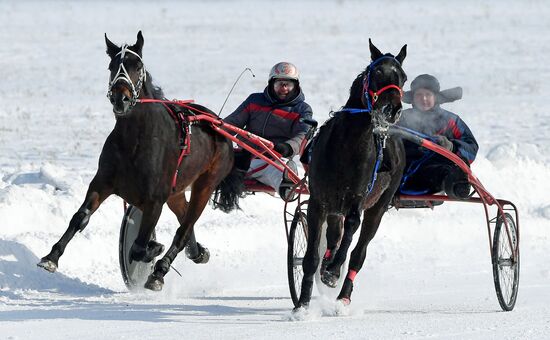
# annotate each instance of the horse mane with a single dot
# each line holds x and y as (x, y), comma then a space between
(355, 93)
(152, 89)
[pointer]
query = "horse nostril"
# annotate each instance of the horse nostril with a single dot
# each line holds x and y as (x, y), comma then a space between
(125, 99)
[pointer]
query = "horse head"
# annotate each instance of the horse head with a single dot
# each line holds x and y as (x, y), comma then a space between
(379, 87)
(128, 75)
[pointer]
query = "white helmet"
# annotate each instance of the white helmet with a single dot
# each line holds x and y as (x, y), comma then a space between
(284, 70)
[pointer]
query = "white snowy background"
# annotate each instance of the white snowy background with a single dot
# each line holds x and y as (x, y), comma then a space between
(427, 273)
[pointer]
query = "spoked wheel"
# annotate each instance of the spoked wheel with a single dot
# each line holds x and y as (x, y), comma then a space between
(505, 265)
(297, 245)
(134, 273)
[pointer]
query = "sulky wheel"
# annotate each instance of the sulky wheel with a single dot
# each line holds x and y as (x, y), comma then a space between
(505, 265)
(297, 245)
(134, 273)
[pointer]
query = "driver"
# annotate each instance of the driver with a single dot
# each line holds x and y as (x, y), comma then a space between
(275, 114)
(427, 172)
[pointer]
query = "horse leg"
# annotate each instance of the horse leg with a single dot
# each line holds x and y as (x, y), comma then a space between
(316, 215)
(144, 249)
(98, 191)
(194, 251)
(371, 221)
(331, 275)
(333, 236)
(200, 194)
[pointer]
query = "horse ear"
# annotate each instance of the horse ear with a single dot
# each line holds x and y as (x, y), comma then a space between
(112, 49)
(374, 52)
(139, 43)
(402, 54)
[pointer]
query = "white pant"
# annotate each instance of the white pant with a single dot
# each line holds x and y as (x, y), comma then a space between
(270, 175)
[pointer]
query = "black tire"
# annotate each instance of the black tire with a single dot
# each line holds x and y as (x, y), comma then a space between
(505, 266)
(134, 273)
(297, 245)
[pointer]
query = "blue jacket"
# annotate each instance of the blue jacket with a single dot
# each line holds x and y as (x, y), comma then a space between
(278, 122)
(440, 122)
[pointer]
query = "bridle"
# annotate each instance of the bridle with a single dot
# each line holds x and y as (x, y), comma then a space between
(371, 97)
(381, 125)
(122, 75)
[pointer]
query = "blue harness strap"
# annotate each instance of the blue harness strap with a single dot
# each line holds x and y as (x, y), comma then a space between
(411, 170)
(379, 158)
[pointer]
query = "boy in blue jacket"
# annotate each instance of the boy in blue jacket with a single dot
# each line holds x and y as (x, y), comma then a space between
(426, 171)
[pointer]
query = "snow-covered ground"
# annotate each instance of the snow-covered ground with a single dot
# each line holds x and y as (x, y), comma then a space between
(427, 273)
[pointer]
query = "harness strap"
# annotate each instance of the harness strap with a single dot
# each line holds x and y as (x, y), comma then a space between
(184, 123)
(185, 143)
(379, 159)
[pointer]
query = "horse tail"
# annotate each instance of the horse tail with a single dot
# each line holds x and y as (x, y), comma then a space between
(228, 192)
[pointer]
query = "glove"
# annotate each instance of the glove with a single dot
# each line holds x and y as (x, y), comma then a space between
(284, 149)
(444, 142)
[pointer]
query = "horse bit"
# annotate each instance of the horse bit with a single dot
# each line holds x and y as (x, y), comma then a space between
(122, 74)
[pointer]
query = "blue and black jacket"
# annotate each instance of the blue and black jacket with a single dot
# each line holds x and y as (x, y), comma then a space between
(276, 121)
(440, 122)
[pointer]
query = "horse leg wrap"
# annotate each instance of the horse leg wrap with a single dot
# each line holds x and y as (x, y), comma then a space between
(162, 267)
(80, 219)
(327, 259)
(351, 274)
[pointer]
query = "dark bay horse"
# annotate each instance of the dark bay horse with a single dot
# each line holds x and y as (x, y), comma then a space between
(355, 166)
(142, 162)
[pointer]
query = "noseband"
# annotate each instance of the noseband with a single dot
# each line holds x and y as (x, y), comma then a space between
(122, 75)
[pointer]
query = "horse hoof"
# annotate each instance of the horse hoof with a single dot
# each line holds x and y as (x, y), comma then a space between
(146, 254)
(154, 283)
(299, 313)
(329, 278)
(203, 256)
(154, 248)
(47, 264)
(345, 301)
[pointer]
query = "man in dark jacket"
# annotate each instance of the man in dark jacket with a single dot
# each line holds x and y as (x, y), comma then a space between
(275, 114)
(428, 172)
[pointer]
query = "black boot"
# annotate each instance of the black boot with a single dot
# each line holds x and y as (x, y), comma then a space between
(286, 184)
(456, 184)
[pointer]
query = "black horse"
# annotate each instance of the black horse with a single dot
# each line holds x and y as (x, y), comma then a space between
(354, 166)
(144, 162)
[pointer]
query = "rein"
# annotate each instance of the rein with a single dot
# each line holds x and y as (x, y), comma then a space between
(122, 75)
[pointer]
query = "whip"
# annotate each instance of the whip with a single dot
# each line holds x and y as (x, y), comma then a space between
(232, 87)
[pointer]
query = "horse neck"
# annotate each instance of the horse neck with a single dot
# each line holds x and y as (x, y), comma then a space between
(359, 128)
